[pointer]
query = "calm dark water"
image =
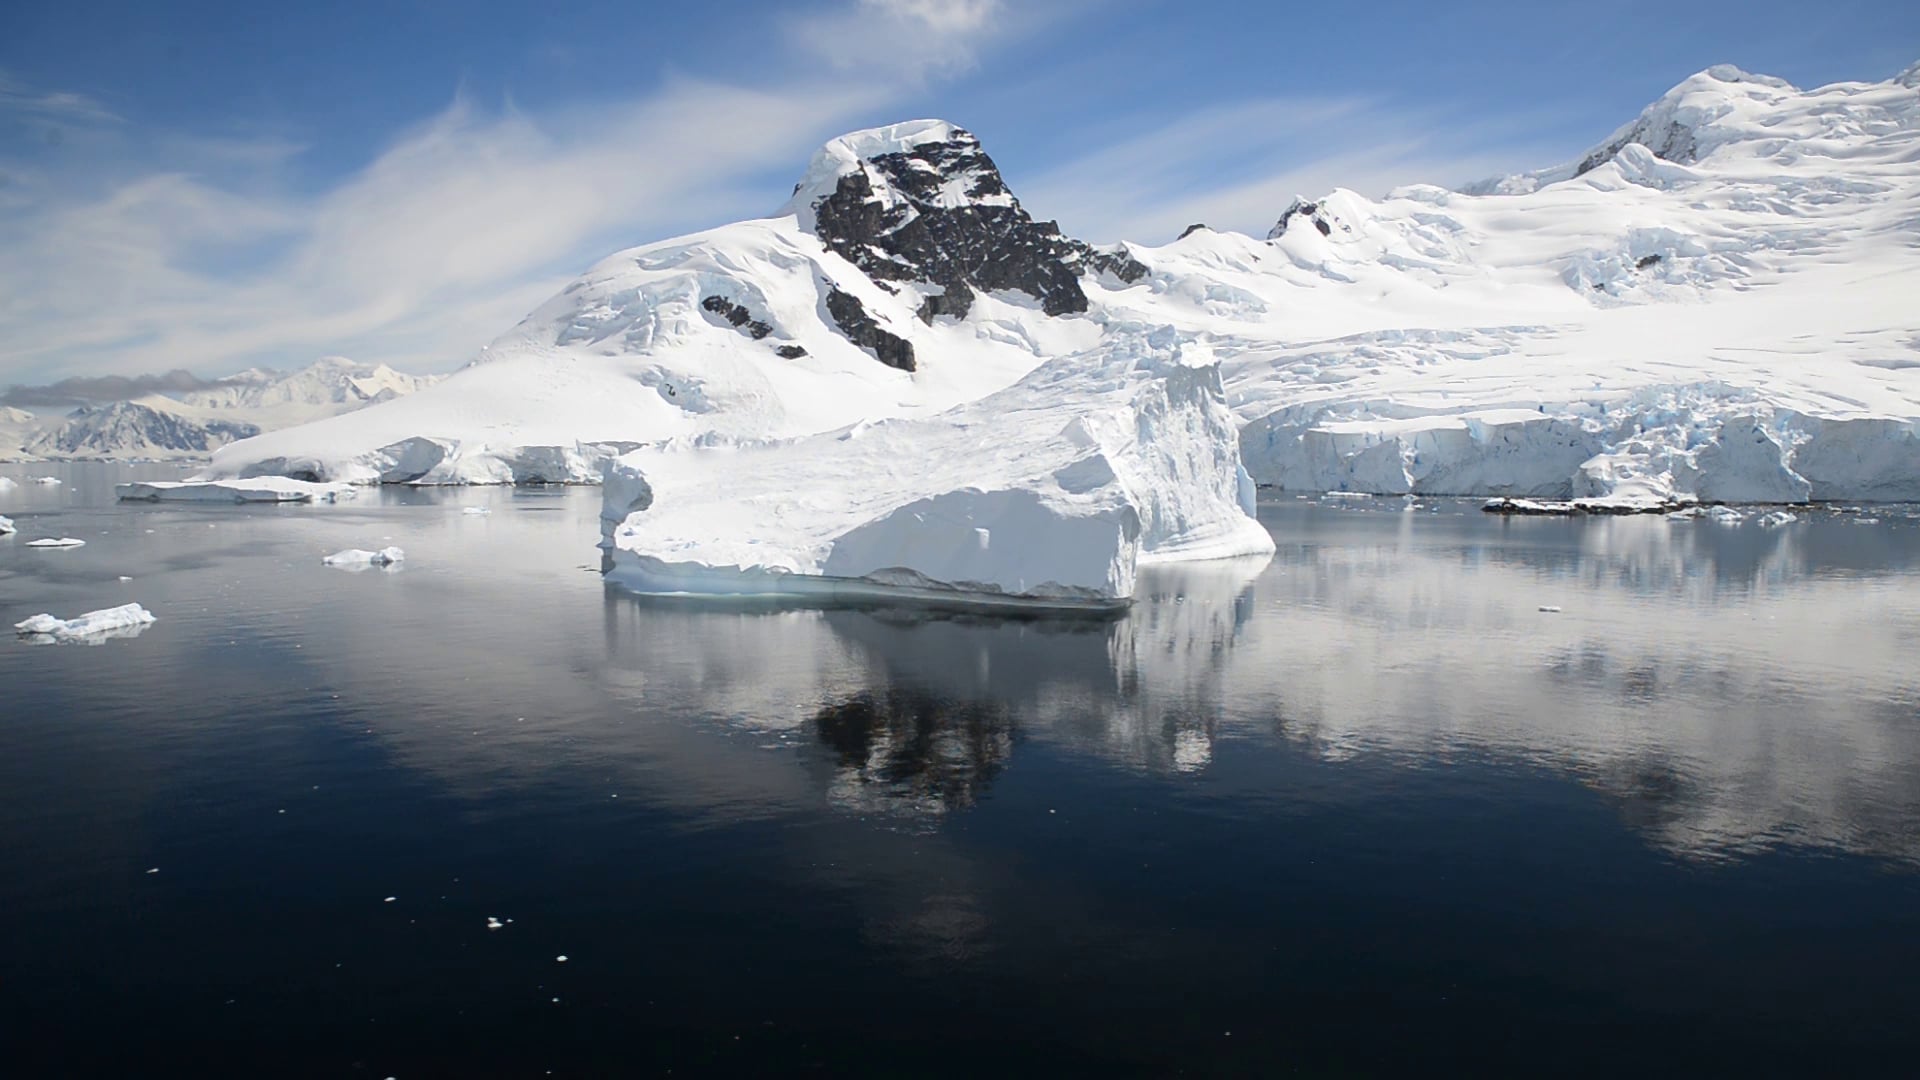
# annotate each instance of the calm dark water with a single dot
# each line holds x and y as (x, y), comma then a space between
(1365, 810)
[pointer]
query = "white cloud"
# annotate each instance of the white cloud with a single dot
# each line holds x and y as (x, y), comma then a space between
(203, 253)
(945, 16)
(19, 100)
(909, 39)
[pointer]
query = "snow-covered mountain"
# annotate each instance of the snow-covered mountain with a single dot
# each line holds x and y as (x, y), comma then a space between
(327, 385)
(154, 426)
(1712, 303)
(193, 423)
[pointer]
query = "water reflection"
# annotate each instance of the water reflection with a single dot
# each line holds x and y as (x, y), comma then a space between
(909, 750)
(1728, 690)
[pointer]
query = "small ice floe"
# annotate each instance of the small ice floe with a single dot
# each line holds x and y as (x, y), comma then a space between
(155, 870)
(1719, 515)
(93, 627)
(124, 577)
(1777, 519)
(493, 923)
(389, 899)
(271, 489)
(47, 481)
(361, 557)
(561, 959)
(476, 511)
(1550, 609)
(61, 542)
(6, 525)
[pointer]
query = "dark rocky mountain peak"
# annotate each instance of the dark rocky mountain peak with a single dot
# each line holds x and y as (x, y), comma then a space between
(1304, 212)
(922, 203)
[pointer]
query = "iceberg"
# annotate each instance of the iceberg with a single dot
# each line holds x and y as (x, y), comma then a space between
(361, 558)
(269, 489)
(47, 481)
(92, 627)
(6, 525)
(1051, 493)
(61, 542)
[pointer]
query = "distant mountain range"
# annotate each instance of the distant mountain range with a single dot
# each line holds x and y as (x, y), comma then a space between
(179, 415)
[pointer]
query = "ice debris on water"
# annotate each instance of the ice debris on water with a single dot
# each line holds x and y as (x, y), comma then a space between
(386, 556)
(61, 542)
(494, 923)
(94, 625)
(47, 481)
(476, 511)
(1777, 519)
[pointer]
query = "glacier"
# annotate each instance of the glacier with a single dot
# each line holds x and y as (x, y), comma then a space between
(1712, 305)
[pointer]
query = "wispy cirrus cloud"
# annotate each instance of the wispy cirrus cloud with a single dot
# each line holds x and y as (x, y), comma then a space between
(1237, 165)
(155, 250)
(17, 99)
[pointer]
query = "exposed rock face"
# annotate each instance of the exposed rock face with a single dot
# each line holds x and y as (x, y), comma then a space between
(1300, 209)
(861, 329)
(1668, 139)
(737, 315)
(127, 428)
(924, 204)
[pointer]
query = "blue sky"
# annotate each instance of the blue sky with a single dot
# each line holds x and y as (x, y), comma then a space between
(214, 186)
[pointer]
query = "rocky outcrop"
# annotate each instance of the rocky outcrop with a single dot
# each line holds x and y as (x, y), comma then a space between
(862, 329)
(924, 204)
(736, 316)
(1300, 210)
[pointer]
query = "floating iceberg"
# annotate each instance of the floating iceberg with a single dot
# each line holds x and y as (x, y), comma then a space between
(62, 542)
(6, 525)
(1052, 492)
(269, 489)
(47, 481)
(93, 627)
(360, 557)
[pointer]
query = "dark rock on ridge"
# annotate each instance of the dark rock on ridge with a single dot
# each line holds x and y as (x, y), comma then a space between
(1300, 208)
(940, 214)
(861, 329)
(738, 315)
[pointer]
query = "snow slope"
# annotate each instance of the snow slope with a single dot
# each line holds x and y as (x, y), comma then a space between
(1053, 491)
(1730, 321)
